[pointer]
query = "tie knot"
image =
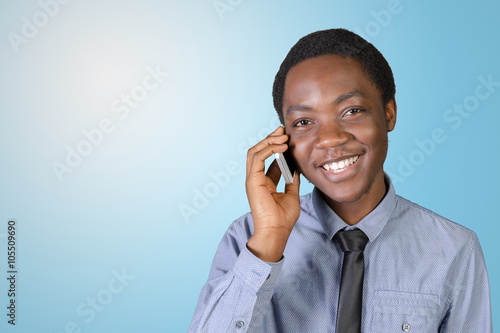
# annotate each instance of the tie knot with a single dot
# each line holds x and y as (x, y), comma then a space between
(351, 240)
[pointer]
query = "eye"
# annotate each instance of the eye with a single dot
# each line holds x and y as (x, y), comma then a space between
(302, 122)
(353, 111)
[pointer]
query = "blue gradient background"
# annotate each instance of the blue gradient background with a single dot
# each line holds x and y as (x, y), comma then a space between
(121, 207)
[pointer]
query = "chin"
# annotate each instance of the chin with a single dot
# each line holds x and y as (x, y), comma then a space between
(343, 196)
(348, 191)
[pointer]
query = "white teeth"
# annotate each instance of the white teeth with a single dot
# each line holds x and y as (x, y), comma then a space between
(340, 166)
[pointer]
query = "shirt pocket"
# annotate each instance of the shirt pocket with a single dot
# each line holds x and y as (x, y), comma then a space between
(395, 311)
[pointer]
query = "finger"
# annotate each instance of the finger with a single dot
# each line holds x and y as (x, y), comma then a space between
(256, 163)
(278, 131)
(276, 137)
(274, 173)
(293, 188)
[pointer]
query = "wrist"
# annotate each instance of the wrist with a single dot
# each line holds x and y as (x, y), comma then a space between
(268, 247)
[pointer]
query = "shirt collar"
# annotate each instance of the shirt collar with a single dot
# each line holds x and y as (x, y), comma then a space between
(371, 224)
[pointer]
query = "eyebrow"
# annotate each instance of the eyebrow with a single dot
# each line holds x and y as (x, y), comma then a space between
(298, 107)
(347, 95)
(344, 97)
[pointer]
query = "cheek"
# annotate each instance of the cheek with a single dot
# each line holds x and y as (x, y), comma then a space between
(369, 135)
(301, 151)
(372, 136)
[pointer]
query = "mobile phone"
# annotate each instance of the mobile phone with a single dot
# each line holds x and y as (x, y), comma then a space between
(287, 165)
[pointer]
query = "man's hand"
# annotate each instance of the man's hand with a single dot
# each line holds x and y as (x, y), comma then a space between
(274, 214)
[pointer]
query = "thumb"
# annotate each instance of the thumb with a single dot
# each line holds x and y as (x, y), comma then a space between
(293, 188)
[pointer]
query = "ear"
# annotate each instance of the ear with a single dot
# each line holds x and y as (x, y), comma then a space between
(390, 115)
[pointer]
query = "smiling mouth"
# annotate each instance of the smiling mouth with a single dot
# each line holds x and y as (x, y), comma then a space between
(340, 166)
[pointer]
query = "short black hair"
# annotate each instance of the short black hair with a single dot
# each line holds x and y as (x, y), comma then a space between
(339, 42)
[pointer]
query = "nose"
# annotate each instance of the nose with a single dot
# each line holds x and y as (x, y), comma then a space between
(331, 134)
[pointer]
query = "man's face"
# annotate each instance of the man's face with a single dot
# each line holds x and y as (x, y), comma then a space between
(338, 127)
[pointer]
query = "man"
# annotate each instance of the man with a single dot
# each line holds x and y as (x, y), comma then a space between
(280, 268)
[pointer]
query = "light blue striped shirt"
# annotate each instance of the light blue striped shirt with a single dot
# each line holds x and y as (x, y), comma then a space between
(423, 273)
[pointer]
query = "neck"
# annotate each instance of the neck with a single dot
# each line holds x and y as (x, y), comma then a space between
(353, 212)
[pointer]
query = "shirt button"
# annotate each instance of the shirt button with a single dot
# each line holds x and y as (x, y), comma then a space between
(240, 323)
(406, 327)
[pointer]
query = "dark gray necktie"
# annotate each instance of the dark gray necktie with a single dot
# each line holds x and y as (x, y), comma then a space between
(352, 243)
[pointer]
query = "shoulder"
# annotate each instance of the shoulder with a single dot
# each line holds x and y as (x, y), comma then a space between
(431, 226)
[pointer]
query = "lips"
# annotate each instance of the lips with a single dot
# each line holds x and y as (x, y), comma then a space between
(341, 165)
